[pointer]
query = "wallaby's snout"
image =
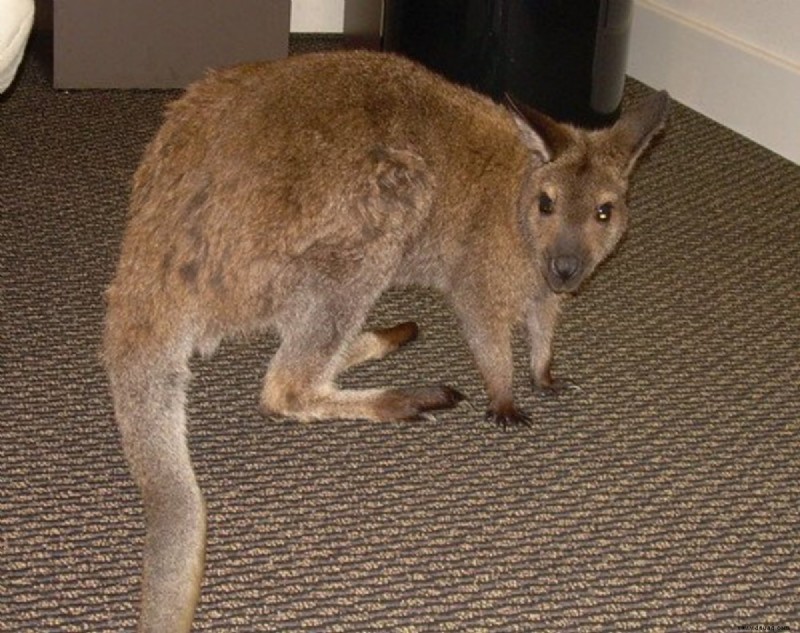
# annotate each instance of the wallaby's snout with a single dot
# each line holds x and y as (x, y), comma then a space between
(564, 272)
(566, 265)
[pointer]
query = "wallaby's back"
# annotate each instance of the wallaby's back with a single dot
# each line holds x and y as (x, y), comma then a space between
(256, 163)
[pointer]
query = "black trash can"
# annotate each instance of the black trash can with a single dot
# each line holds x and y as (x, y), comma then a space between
(565, 57)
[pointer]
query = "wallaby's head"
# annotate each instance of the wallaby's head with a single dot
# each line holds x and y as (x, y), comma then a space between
(573, 203)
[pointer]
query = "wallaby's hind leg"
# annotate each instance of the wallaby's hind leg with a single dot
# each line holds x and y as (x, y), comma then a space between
(387, 201)
(375, 344)
(300, 380)
(149, 392)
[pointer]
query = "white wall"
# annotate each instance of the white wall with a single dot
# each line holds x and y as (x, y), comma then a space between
(769, 25)
(736, 61)
(317, 16)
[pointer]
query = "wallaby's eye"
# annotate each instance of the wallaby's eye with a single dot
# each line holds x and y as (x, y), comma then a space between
(545, 204)
(604, 212)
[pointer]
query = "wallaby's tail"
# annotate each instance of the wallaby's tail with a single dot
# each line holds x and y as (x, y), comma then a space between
(148, 385)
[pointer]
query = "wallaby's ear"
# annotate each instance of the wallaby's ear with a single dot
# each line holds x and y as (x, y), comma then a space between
(541, 135)
(639, 124)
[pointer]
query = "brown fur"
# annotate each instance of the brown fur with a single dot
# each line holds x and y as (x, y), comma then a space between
(289, 196)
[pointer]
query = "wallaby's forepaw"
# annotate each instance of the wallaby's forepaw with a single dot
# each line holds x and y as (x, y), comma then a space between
(508, 418)
(555, 387)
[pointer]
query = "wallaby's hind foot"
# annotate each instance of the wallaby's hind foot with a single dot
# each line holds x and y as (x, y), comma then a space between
(412, 403)
(375, 344)
(287, 399)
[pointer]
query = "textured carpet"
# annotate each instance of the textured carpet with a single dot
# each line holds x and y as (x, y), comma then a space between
(665, 495)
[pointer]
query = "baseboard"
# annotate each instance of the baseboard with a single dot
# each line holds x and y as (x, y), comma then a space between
(742, 87)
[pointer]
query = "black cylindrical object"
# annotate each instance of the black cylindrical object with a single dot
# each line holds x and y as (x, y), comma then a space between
(565, 57)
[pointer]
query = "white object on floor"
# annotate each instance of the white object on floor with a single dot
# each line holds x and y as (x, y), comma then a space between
(16, 19)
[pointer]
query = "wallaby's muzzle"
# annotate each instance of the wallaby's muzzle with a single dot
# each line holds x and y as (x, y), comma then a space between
(564, 271)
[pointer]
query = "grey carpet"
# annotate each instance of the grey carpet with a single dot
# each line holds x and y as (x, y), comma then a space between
(665, 495)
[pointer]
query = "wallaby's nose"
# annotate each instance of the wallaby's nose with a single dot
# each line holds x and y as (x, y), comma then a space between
(565, 266)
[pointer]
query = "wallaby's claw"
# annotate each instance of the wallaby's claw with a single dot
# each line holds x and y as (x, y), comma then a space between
(422, 416)
(556, 388)
(508, 419)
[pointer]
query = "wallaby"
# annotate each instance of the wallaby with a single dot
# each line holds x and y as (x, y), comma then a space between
(288, 196)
